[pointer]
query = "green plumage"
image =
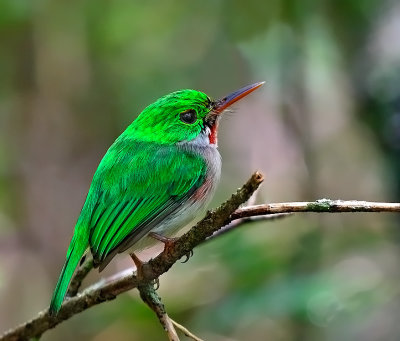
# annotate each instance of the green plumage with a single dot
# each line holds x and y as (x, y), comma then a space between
(142, 179)
(142, 197)
(155, 177)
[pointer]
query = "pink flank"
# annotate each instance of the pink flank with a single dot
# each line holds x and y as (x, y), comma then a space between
(204, 190)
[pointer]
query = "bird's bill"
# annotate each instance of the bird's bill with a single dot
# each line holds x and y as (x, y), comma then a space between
(227, 101)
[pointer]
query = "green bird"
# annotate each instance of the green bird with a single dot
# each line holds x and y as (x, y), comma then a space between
(156, 176)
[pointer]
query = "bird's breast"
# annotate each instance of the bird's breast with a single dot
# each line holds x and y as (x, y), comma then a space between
(213, 160)
(198, 201)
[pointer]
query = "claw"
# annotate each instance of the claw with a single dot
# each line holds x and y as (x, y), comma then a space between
(188, 255)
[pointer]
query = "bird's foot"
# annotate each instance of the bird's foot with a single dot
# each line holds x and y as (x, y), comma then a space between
(188, 255)
(139, 265)
(168, 242)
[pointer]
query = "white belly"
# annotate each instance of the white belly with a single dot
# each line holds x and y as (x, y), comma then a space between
(191, 210)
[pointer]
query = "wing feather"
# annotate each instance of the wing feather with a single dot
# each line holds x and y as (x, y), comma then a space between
(118, 212)
(119, 226)
(137, 186)
(101, 220)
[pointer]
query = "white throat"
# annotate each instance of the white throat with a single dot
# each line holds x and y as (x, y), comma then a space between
(202, 140)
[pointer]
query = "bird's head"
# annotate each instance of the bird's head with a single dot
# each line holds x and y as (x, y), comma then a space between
(184, 116)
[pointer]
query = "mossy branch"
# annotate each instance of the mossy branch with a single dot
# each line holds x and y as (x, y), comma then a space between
(109, 289)
(228, 214)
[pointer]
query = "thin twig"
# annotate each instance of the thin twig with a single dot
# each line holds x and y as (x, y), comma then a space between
(185, 331)
(149, 296)
(235, 224)
(318, 206)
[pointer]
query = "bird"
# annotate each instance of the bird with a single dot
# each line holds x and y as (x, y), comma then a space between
(153, 180)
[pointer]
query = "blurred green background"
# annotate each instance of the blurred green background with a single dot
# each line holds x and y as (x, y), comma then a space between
(74, 74)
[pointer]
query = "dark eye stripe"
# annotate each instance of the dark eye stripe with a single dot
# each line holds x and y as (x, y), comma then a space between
(188, 116)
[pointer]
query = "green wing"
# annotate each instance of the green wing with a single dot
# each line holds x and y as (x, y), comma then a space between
(135, 187)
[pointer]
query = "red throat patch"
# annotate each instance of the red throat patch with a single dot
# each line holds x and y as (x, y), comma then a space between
(213, 134)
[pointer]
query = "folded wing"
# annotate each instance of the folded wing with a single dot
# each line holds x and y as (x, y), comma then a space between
(137, 186)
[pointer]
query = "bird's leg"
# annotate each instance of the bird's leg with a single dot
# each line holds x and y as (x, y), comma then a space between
(139, 265)
(168, 244)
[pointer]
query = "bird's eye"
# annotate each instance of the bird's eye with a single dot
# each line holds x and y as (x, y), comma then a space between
(188, 116)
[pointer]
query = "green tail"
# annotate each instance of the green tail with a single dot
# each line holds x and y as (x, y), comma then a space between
(74, 254)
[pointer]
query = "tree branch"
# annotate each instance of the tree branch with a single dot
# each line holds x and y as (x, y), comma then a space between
(110, 288)
(185, 331)
(318, 206)
(84, 268)
(149, 296)
(239, 222)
